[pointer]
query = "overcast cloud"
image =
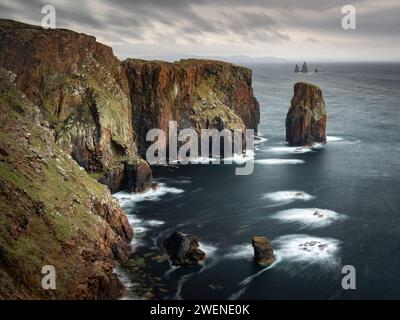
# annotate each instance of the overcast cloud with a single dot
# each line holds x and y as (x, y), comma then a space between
(291, 29)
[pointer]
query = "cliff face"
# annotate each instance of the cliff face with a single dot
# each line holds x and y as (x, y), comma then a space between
(82, 91)
(196, 93)
(70, 114)
(52, 212)
(306, 119)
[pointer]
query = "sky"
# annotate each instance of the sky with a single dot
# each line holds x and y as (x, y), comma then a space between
(287, 29)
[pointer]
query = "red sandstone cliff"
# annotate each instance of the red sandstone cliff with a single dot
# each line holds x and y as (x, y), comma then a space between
(196, 93)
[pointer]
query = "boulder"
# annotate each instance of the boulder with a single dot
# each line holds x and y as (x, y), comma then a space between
(306, 118)
(263, 252)
(183, 249)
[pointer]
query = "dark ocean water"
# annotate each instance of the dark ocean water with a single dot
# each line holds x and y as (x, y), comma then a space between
(354, 182)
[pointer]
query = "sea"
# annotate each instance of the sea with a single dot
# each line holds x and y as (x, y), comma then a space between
(326, 209)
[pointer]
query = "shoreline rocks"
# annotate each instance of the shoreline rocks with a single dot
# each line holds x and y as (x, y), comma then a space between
(263, 252)
(183, 249)
(306, 118)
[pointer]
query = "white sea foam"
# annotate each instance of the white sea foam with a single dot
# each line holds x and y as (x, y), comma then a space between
(127, 200)
(306, 250)
(301, 249)
(287, 196)
(241, 252)
(309, 217)
(290, 150)
(259, 139)
(155, 223)
(133, 219)
(279, 161)
(333, 138)
(208, 249)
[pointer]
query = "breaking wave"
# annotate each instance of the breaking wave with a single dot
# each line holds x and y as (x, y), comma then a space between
(127, 200)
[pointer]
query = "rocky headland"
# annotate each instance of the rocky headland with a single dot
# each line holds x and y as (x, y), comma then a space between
(74, 115)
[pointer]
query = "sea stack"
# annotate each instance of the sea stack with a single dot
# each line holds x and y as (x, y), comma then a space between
(296, 69)
(306, 118)
(183, 249)
(263, 252)
(304, 68)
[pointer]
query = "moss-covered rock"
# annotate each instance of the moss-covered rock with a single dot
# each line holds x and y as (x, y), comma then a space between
(52, 212)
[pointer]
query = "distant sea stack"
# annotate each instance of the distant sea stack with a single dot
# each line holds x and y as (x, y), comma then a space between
(304, 68)
(306, 118)
(296, 69)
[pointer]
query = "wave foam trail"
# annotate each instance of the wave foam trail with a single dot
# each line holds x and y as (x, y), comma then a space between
(306, 250)
(246, 281)
(309, 217)
(333, 138)
(155, 223)
(290, 150)
(241, 251)
(279, 161)
(287, 196)
(259, 140)
(127, 200)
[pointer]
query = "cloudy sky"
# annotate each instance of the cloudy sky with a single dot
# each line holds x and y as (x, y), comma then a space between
(290, 29)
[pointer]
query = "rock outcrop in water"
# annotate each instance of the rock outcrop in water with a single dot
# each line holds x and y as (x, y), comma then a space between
(52, 213)
(304, 68)
(306, 119)
(263, 252)
(183, 249)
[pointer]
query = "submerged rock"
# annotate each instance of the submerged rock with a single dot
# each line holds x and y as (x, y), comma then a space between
(263, 252)
(306, 118)
(183, 249)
